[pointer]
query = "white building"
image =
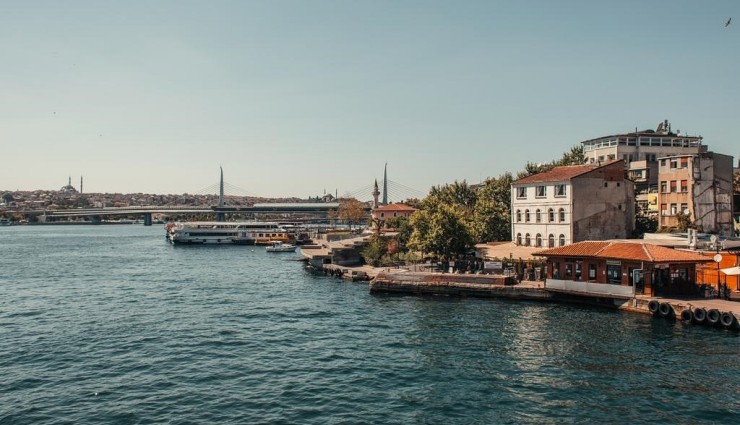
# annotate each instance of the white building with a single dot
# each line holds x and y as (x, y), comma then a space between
(572, 204)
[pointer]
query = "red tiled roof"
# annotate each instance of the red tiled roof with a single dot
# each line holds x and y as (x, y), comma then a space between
(395, 207)
(562, 173)
(624, 251)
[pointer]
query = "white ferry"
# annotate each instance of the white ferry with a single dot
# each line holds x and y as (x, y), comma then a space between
(227, 232)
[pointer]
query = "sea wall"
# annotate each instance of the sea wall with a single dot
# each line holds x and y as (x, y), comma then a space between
(455, 284)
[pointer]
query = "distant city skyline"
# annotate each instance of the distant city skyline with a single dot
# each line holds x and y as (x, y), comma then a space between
(293, 98)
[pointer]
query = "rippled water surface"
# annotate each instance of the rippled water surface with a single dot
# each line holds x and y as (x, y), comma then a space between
(110, 324)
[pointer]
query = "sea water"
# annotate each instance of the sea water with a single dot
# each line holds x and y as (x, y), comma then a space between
(112, 325)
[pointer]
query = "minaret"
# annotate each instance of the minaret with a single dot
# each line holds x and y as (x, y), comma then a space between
(385, 184)
(69, 182)
(376, 193)
(221, 189)
(80, 184)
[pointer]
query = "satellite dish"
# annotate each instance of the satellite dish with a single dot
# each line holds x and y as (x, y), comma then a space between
(717, 258)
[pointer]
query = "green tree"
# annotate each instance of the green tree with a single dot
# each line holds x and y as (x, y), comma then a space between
(374, 251)
(684, 221)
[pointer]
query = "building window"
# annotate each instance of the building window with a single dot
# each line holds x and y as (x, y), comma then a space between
(685, 208)
(526, 216)
(561, 213)
(551, 215)
(684, 163)
(562, 240)
(673, 186)
(578, 271)
(518, 238)
(537, 216)
(541, 191)
(551, 241)
(592, 272)
(674, 163)
(560, 190)
(382, 215)
(527, 240)
(663, 209)
(684, 186)
(614, 274)
(674, 209)
(518, 216)
(538, 240)
(568, 270)
(663, 186)
(521, 192)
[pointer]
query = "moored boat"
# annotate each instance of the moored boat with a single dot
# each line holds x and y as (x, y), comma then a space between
(225, 232)
(280, 247)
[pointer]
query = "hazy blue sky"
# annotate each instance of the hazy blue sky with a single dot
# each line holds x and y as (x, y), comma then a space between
(294, 97)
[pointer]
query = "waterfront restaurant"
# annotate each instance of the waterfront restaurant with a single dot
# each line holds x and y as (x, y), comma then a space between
(621, 269)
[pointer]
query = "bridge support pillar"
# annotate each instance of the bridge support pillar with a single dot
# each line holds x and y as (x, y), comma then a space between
(220, 216)
(147, 219)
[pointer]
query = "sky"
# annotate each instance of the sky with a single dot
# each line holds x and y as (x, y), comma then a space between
(299, 98)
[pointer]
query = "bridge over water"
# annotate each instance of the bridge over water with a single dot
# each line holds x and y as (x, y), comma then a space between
(316, 210)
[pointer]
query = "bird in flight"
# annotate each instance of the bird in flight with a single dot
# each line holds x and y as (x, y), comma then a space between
(727, 24)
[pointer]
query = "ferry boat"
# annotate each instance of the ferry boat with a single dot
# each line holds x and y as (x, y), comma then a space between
(227, 232)
(5, 222)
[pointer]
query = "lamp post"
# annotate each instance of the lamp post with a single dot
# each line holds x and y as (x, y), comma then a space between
(717, 259)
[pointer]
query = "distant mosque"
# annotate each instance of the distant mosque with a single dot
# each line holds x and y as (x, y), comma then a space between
(69, 189)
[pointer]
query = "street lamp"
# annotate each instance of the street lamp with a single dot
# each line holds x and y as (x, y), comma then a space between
(717, 259)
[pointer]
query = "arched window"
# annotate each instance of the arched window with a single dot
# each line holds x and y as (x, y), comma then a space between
(538, 216)
(526, 216)
(527, 240)
(562, 240)
(551, 215)
(561, 213)
(518, 238)
(518, 216)
(551, 241)
(538, 240)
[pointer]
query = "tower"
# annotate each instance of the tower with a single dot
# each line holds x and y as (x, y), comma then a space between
(376, 193)
(221, 189)
(80, 184)
(385, 184)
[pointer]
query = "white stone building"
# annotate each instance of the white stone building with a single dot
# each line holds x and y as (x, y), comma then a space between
(572, 204)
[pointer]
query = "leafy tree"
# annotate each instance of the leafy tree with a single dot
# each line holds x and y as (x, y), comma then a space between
(442, 232)
(374, 251)
(684, 221)
(352, 211)
(7, 198)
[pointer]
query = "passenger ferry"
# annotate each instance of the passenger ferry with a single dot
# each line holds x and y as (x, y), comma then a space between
(227, 232)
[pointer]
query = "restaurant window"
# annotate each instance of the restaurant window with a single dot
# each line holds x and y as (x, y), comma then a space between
(592, 272)
(568, 270)
(614, 273)
(538, 240)
(556, 270)
(562, 240)
(578, 271)
(521, 192)
(551, 241)
(551, 215)
(527, 240)
(537, 216)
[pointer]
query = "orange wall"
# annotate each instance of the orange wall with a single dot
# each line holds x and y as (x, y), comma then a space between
(707, 274)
